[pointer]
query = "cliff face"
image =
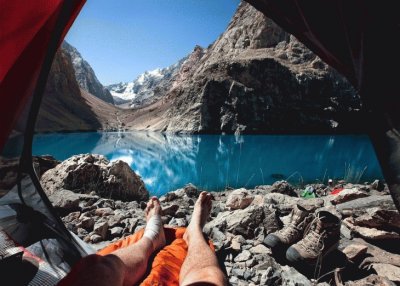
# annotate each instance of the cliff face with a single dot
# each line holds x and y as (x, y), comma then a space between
(66, 107)
(63, 107)
(254, 78)
(85, 75)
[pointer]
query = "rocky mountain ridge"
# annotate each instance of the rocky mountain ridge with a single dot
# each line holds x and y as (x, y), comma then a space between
(255, 78)
(85, 75)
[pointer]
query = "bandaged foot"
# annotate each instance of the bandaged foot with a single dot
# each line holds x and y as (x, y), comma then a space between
(154, 228)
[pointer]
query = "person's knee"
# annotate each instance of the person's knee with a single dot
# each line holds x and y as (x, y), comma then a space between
(97, 269)
(206, 276)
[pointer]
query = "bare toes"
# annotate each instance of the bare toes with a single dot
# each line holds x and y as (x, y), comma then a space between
(153, 207)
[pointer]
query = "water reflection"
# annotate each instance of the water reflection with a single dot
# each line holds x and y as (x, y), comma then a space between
(166, 162)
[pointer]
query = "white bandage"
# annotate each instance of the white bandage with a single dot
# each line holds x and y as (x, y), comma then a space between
(152, 231)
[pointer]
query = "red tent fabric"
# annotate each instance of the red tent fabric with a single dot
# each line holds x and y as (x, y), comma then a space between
(26, 28)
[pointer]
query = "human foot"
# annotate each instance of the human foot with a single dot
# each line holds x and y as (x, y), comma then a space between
(201, 213)
(154, 228)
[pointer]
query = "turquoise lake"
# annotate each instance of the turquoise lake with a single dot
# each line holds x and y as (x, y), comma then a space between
(214, 162)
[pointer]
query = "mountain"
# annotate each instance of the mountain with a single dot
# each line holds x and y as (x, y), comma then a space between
(67, 107)
(85, 75)
(254, 78)
(146, 88)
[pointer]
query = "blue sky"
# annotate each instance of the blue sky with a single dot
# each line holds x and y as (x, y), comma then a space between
(123, 38)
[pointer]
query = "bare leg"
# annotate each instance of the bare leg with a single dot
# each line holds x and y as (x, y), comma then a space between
(200, 265)
(124, 266)
(136, 256)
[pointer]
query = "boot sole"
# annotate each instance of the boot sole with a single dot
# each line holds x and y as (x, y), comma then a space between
(293, 256)
(272, 241)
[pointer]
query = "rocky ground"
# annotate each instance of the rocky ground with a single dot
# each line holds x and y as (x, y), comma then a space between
(368, 252)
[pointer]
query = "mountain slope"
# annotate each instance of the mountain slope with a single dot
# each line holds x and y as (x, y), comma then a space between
(255, 78)
(66, 107)
(146, 88)
(85, 75)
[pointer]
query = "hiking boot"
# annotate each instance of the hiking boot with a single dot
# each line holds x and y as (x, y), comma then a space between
(292, 232)
(321, 238)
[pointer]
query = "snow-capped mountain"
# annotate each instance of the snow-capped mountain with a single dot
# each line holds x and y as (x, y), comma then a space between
(146, 88)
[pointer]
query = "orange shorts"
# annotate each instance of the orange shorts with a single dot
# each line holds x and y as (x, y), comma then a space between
(166, 265)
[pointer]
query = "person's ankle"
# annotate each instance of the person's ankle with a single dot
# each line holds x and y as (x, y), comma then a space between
(191, 232)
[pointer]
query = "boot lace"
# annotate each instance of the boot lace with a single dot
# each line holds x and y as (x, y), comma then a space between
(289, 231)
(313, 242)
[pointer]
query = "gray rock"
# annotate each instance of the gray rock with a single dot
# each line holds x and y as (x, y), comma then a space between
(238, 272)
(115, 220)
(248, 274)
(64, 201)
(233, 280)
(370, 233)
(355, 251)
(104, 211)
(170, 210)
(242, 222)
(82, 232)
(250, 263)
(271, 222)
(286, 203)
(260, 249)
(95, 238)
(243, 256)
(291, 277)
(101, 228)
(237, 241)
(384, 202)
(283, 187)
(72, 216)
(191, 191)
(379, 218)
(104, 203)
(169, 197)
(116, 231)
(180, 222)
(217, 235)
(86, 223)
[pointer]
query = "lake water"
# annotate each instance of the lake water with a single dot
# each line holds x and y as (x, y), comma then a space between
(214, 162)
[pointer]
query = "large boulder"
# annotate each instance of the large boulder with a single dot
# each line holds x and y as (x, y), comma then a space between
(370, 232)
(242, 222)
(385, 202)
(94, 173)
(239, 199)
